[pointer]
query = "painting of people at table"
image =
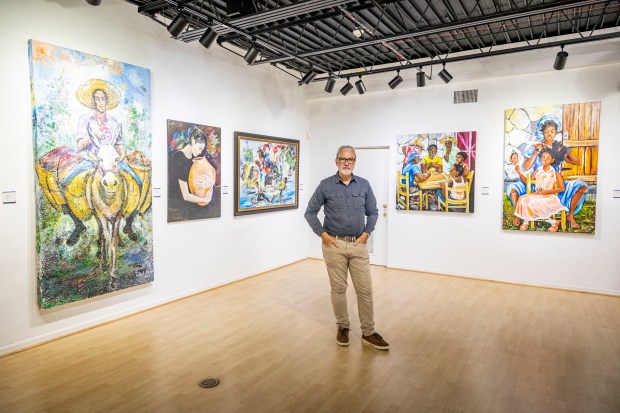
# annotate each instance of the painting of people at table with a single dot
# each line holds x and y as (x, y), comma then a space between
(193, 171)
(435, 171)
(550, 167)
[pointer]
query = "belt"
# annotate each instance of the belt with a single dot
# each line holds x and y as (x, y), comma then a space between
(346, 238)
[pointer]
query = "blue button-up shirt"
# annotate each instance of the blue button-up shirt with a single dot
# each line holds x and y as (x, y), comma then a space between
(345, 207)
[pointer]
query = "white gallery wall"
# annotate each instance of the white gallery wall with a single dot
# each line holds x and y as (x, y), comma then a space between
(475, 245)
(189, 83)
(216, 88)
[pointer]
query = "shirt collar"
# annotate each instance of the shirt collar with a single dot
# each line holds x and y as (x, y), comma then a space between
(338, 180)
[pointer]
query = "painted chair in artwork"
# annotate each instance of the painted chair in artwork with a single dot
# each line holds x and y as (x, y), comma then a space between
(402, 190)
(403, 195)
(560, 216)
(456, 204)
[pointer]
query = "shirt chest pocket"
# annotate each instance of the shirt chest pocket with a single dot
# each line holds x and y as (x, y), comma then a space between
(359, 200)
(335, 200)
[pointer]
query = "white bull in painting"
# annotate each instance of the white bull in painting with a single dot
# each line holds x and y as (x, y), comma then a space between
(108, 188)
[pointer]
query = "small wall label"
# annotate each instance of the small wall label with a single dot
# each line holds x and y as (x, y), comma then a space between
(9, 197)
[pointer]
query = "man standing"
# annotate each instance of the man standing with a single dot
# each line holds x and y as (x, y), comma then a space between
(347, 200)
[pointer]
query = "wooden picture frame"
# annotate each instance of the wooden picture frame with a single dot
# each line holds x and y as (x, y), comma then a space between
(266, 173)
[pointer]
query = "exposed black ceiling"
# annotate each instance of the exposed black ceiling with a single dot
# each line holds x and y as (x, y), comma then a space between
(356, 37)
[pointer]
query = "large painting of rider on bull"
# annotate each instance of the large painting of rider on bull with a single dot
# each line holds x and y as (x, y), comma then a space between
(193, 171)
(92, 147)
(550, 167)
(266, 173)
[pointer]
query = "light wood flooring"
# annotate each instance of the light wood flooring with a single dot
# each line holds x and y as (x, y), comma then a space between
(457, 345)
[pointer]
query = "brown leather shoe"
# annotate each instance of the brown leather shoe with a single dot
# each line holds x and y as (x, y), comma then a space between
(342, 338)
(376, 341)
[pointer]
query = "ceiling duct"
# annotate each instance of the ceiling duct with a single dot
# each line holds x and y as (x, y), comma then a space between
(239, 8)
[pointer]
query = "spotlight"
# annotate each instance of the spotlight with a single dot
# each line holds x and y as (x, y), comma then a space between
(252, 54)
(393, 84)
(361, 89)
(560, 59)
(94, 2)
(329, 86)
(208, 37)
(177, 26)
(444, 75)
(420, 78)
(346, 88)
(308, 77)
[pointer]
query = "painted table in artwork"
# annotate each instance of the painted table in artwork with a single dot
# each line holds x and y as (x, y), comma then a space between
(431, 184)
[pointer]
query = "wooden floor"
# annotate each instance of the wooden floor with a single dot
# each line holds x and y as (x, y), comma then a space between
(457, 345)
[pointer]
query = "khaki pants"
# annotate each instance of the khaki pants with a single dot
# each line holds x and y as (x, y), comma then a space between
(340, 261)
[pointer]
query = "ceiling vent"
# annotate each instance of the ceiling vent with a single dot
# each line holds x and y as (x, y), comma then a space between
(465, 96)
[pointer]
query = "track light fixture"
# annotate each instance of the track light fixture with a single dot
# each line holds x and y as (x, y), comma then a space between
(393, 84)
(311, 74)
(252, 54)
(420, 78)
(329, 86)
(444, 75)
(560, 59)
(94, 2)
(208, 37)
(361, 89)
(178, 24)
(346, 88)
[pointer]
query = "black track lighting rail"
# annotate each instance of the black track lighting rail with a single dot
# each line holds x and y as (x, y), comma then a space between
(183, 7)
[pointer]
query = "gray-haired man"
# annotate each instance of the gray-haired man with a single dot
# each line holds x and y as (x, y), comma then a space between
(351, 213)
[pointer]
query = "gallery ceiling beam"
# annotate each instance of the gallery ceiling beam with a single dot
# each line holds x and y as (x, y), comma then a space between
(343, 38)
(499, 17)
(483, 54)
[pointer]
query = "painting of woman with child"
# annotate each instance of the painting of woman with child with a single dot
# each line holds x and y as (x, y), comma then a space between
(435, 171)
(550, 168)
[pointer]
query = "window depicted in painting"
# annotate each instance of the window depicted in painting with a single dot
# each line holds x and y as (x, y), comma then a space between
(193, 171)
(435, 171)
(92, 148)
(266, 173)
(550, 167)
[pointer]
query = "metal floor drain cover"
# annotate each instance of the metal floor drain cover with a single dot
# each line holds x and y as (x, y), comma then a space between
(207, 383)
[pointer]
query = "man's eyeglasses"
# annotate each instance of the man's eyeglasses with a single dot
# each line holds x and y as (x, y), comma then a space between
(345, 160)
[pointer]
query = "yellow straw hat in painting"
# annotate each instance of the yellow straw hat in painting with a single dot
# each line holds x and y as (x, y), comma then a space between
(447, 138)
(85, 93)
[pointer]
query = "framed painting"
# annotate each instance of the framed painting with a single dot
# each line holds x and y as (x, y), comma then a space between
(266, 173)
(194, 171)
(550, 167)
(436, 171)
(92, 156)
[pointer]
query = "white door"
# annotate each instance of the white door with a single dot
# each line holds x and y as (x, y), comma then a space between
(373, 165)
